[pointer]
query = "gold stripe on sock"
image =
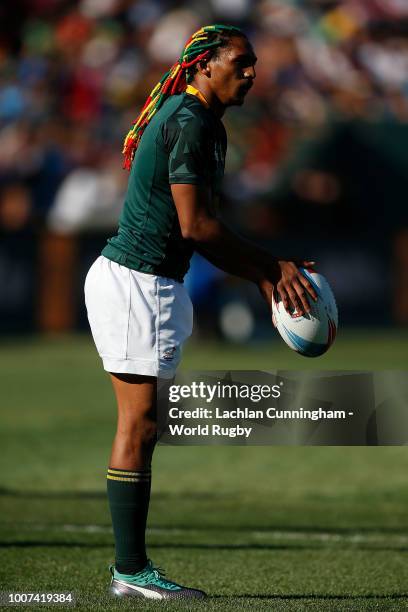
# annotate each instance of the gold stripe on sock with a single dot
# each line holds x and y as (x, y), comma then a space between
(122, 473)
(127, 479)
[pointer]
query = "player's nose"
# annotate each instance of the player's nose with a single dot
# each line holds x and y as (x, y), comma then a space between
(250, 72)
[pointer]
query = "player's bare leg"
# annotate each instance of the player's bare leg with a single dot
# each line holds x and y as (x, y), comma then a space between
(135, 437)
(129, 492)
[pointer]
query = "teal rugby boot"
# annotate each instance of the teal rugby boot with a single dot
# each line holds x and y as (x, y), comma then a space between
(150, 583)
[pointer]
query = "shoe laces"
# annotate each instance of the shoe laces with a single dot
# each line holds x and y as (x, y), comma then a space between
(159, 575)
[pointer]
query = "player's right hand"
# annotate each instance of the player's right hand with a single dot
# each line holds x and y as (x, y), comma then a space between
(292, 286)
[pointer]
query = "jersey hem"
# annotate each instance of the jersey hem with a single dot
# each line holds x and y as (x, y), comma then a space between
(134, 263)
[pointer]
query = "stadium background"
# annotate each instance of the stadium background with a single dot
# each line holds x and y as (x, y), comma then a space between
(316, 167)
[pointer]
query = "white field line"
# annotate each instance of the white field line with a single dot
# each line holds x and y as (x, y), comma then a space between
(267, 534)
(320, 536)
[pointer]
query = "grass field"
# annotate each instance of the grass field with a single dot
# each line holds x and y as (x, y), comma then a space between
(259, 528)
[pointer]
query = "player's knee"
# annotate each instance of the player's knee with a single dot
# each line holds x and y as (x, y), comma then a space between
(147, 432)
(137, 433)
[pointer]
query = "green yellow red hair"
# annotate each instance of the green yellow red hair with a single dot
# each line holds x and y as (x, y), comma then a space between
(197, 48)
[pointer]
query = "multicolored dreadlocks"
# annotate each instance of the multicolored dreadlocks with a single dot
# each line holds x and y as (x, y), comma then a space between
(197, 48)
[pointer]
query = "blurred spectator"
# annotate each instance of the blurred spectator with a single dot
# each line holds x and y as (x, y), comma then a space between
(15, 208)
(90, 198)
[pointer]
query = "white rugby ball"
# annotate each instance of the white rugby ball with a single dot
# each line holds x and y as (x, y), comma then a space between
(313, 333)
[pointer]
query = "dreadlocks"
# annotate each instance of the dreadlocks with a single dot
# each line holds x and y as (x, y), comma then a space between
(199, 47)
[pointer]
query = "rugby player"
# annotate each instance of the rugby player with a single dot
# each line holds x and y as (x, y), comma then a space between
(138, 308)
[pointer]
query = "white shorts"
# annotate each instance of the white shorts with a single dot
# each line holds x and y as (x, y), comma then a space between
(139, 321)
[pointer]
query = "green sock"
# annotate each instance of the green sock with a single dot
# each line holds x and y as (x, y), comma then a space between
(129, 495)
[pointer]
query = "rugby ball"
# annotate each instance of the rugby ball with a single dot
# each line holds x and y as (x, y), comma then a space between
(313, 333)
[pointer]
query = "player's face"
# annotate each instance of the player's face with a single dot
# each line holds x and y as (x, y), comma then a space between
(233, 71)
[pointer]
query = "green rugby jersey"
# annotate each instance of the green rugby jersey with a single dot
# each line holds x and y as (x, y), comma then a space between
(185, 142)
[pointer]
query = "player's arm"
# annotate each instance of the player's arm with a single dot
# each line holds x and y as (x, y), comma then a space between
(236, 255)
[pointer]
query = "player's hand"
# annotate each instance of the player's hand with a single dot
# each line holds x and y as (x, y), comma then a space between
(292, 286)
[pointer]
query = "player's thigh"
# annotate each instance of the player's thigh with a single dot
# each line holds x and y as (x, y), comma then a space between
(135, 394)
(136, 397)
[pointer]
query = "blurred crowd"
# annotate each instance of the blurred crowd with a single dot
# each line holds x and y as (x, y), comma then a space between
(316, 163)
(73, 74)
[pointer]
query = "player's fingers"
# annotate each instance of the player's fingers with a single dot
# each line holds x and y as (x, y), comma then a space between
(295, 301)
(303, 263)
(284, 297)
(301, 295)
(308, 286)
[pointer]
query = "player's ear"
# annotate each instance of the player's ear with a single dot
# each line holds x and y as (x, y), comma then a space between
(205, 68)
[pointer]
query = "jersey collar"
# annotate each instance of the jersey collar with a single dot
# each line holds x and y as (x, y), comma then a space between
(195, 92)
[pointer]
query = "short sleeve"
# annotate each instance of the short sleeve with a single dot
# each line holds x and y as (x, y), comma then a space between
(187, 143)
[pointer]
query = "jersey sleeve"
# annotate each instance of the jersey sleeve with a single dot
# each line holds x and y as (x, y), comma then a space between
(187, 143)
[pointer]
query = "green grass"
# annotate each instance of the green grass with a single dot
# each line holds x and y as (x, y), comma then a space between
(259, 528)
